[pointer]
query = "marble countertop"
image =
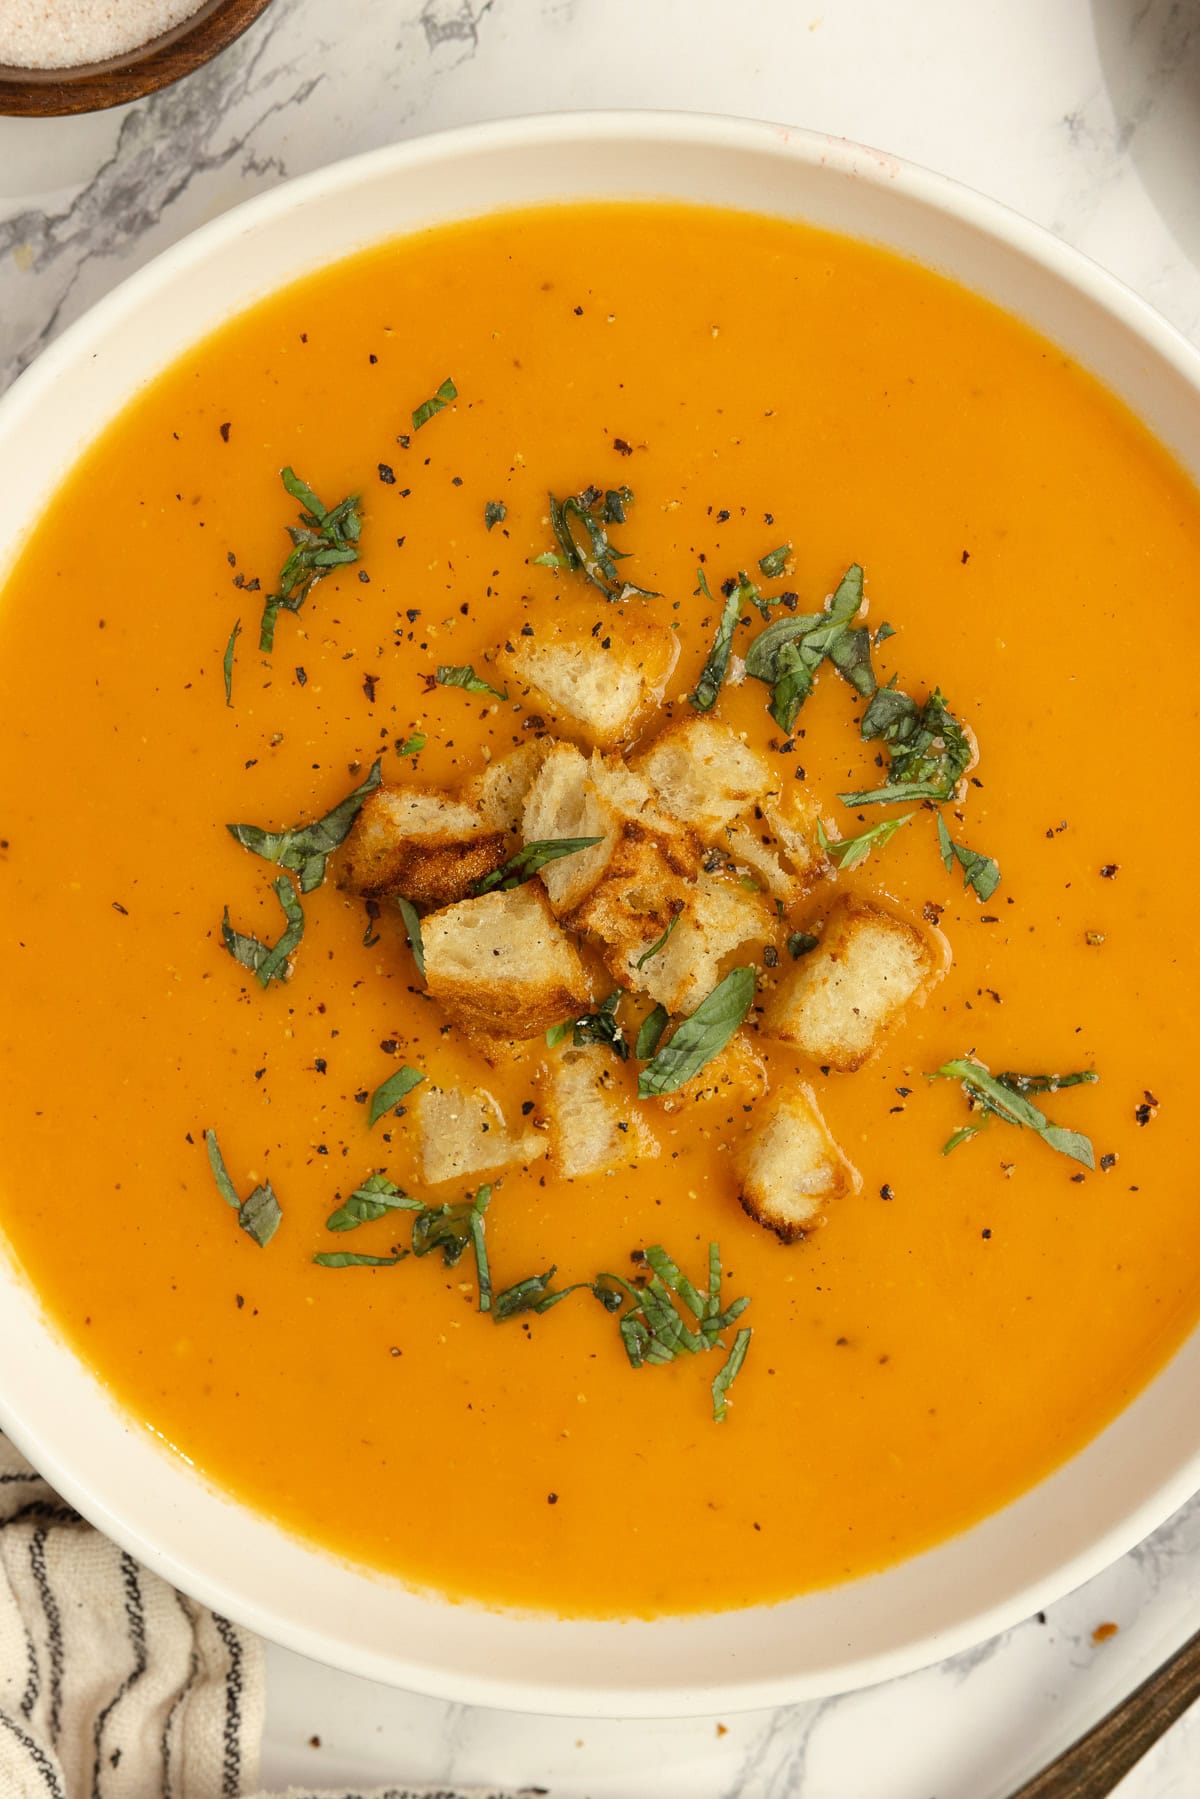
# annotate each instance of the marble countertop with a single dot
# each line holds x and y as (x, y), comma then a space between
(1083, 114)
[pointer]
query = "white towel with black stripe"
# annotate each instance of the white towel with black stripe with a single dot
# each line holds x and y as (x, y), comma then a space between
(112, 1684)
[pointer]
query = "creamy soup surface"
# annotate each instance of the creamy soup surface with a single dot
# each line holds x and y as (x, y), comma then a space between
(956, 1324)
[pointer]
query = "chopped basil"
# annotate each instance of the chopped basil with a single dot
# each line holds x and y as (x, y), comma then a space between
(412, 744)
(883, 631)
(773, 564)
(533, 1294)
(930, 751)
(1005, 1096)
(348, 1258)
(449, 675)
(376, 1197)
(712, 676)
(304, 848)
(268, 961)
(979, 872)
(412, 927)
(659, 943)
(651, 1030)
(392, 1091)
(800, 942)
(591, 554)
(848, 852)
(440, 400)
(227, 660)
(259, 1213)
(324, 539)
(451, 1228)
(729, 1372)
(701, 1037)
(494, 513)
(594, 1027)
(655, 1330)
(528, 861)
(788, 653)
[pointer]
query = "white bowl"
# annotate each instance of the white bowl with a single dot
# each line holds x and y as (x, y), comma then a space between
(1096, 1506)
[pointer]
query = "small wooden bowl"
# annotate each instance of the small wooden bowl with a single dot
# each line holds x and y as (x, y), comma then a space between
(89, 87)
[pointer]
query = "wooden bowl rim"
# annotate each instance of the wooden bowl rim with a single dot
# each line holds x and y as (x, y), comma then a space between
(90, 87)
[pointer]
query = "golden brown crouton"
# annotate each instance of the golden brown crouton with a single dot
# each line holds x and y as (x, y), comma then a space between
(500, 791)
(790, 1165)
(780, 845)
(838, 1001)
(716, 917)
(593, 1132)
(563, 802)
(427, 846)
(596, 668)
(462, 1133)
(736, 1074)
(704, 774)
(500, 965)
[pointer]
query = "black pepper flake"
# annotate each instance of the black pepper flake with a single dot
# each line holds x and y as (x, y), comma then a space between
(966, 556)
(1078, 1179)
(985, 1233)
(931, 912)
(1149, 1106)
(364, 577)
(526, 1107)
(322, 1149)
(239, 1300)
(371, 357)
(116, 906)
(403, 440)
(527, 630)
(302, 677)
(389, 1046)
(369, 683)
(552, 1499)
(456, 480)
(225, 430)
(1109, 871)
(887, 1191)
(621, 447)
(988, 918)
(904, 1092)
(771, 956)
(320, 1064)
(1107, 1162)
(387, 474)
(578, 310)
(722, 518)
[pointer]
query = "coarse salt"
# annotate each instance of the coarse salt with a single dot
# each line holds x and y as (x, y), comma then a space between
(62, 34)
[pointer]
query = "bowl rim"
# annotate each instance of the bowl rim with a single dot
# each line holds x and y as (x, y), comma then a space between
(132, 74)
(404, 161)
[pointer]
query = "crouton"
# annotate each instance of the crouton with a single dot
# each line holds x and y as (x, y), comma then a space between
(572, 797)
(838, 1001)
(593, 1133)
(780, 844)
(427, 846)
(462, 1132)
(500, 965)
(632, 907)
(704, 774)
(562, 802)
(500, 791)
(736, 1073)
(789, 1166)
(596, 668)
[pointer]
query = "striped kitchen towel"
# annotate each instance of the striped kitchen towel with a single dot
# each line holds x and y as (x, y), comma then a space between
(112, 1684)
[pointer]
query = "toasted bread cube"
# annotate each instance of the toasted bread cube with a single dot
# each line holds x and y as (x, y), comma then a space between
(501, 790)
(593, 1133)
(427, 846)
(500, 965)
(573, 797)
(790, 1166)
(462, 1133)
(716, 917)
(781, 846)
(736, 1075)
(838, 1001)
(563, 802)
(597, 668)
(704, 774)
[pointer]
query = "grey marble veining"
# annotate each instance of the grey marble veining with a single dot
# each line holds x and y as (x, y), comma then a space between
(1083, 114)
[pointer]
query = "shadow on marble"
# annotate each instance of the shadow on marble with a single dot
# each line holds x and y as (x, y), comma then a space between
(1150, 57)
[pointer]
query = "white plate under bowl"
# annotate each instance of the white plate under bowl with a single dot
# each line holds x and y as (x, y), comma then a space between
(1095, 1507)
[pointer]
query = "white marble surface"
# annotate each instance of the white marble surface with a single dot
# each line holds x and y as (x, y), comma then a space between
(1084, 114)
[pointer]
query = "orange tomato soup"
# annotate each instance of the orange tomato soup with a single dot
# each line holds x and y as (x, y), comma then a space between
(957, 1327)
